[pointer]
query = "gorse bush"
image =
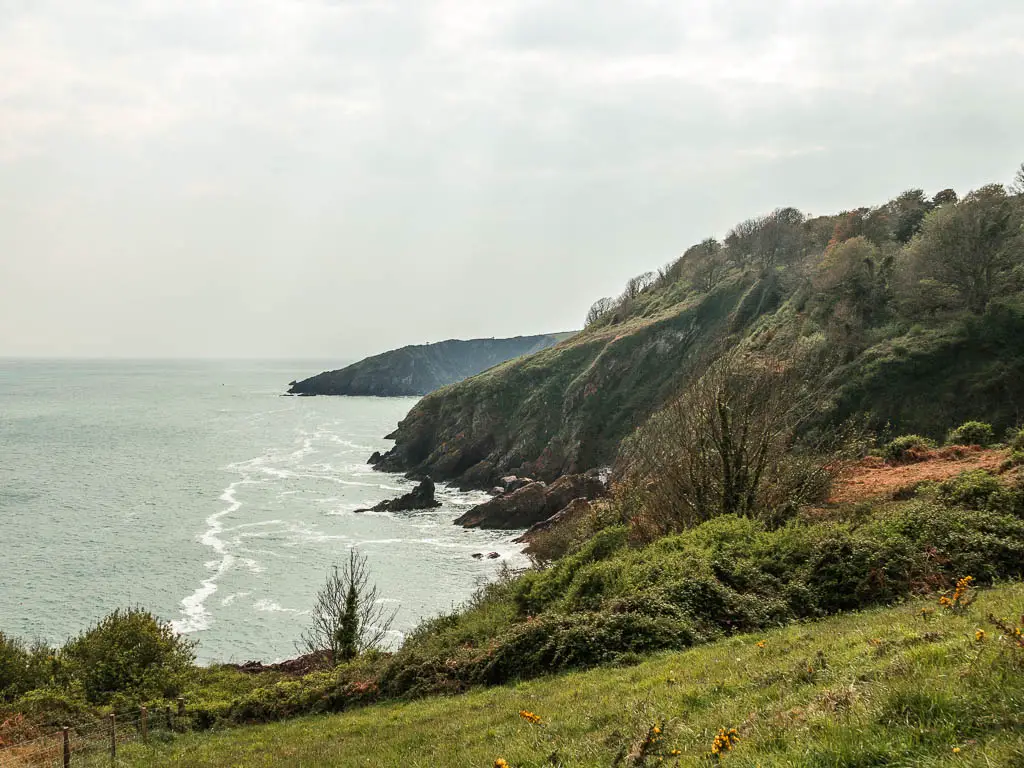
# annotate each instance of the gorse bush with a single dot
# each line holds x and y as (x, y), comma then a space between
(129, 651)
(609, 601)
(972, 433)
(906, 448)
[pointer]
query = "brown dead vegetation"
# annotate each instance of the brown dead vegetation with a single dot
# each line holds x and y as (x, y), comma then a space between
(873, 477)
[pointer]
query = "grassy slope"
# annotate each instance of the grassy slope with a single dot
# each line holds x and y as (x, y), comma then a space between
(884, 687)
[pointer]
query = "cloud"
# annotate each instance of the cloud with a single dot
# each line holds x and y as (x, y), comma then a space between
(290, 169)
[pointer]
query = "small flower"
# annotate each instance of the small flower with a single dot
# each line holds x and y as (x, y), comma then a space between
(530, 717)
(501, 763)
(956, 750)
(761, 643)
(675, 752)
(979, 635)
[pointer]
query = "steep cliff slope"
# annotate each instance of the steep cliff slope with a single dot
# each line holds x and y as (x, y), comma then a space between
(917, 304)
(421, 368)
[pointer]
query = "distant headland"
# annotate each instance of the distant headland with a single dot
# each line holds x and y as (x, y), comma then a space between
(422, 368)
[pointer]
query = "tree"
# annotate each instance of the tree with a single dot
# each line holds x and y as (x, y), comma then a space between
(724, 446)
(348, 617)
(969, 247)
(1017, 186)
(768, 241)
(906, 213)
(598, 310)
(945, 197)
(706, 264)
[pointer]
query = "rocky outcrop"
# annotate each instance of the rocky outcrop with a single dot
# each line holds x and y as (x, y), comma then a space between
(575, 510)
(422, 368)
(420, 497)
(532, 503)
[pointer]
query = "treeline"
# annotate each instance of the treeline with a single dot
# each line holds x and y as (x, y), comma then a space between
(911, 257)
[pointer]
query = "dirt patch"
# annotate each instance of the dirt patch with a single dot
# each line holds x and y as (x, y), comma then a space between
(871, 477)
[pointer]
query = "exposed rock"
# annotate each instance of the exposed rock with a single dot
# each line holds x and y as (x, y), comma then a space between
(375, 458)
(420, 497)
(477, 555)
(533, 503)
(493, 555)
(574, 510)
(497, 490)
(516, 483)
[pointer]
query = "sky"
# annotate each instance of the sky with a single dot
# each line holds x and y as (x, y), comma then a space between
(333, 178)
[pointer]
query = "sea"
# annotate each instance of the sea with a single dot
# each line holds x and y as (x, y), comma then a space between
(195, 490)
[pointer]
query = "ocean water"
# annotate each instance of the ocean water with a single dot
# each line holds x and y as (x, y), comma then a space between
(195, 490)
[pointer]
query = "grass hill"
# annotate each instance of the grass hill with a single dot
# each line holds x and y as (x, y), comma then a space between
(903, 686)
(421, 368)
(919, 304)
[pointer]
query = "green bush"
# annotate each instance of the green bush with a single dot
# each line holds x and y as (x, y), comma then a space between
(129, 651)
(972, 490)
(906, 448)
(1017, 441)
(23, 667)
(971, 433)
(730, 574)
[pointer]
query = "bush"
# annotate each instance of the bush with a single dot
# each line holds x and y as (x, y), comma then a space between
(906, 449)
(22, 667)
(730, 574)
(972, 490)
(971, 433)
(129, 651)
(1017, 441)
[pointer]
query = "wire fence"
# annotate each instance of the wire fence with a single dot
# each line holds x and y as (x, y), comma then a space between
(95, 745)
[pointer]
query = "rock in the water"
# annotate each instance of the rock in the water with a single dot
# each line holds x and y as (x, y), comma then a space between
(420, 497)
(493, 555)
(497, 490)
(375, 458)
(512, 510)
(532, 503)
(477, 555)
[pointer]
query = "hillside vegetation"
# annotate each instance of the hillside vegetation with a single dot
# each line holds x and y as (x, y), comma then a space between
(918, 303)
(908, 686)
(421, 368)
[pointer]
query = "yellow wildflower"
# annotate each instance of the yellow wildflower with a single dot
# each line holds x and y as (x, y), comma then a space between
(501, 763)
(956, 750)
(979, 635)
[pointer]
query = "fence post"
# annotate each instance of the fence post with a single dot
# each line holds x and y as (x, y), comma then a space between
(67, 746)
(113, 738)
(144, 724)
(170, 719)
(181, 710)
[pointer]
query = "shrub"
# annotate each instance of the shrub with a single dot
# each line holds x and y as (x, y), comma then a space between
(972, 490)
(1017, 441)
(23, 667)
(971, 433)
(129, 651)
(907, 448)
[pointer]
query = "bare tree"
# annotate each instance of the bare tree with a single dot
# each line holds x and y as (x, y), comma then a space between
(598, 310)
(726, 446)
(348, 617)
(1017, 185)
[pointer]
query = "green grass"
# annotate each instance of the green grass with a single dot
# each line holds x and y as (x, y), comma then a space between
(878, 688)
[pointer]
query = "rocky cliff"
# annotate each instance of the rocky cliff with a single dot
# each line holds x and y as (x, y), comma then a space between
(422, 368)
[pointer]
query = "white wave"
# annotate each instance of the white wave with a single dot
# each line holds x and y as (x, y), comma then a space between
(269, 606)
(232, 597)
(194, 616)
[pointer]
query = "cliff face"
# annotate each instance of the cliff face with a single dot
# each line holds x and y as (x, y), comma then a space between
(565, 409)
(423, 368)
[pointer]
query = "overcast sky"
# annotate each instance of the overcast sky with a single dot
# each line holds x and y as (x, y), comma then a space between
(332, 178)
